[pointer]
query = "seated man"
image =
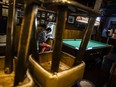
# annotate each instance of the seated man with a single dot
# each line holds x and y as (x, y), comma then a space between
(43, 36)
(105, 32)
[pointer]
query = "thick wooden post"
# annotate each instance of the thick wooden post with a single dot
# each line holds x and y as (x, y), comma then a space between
(33, 43)
(87, 34)
(60, 25)
(84, 41)
(9, 43)
(24, 42)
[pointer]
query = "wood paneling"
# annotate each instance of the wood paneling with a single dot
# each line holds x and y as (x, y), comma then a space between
(72, 34)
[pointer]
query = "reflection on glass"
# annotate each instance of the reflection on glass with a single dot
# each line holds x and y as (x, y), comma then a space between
(71, 19)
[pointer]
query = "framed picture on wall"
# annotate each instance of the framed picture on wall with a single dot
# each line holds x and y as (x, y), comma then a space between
(38, 14)
(4, 12)
(43, 14)
(71, 19)
(51, 17)
(38, 22)
(42, 21)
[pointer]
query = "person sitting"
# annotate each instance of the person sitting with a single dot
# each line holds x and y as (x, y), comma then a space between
(105, 32)
(42, 38)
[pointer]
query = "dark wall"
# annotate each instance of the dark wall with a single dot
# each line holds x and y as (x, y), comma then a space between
(3, 25)
(3, 21)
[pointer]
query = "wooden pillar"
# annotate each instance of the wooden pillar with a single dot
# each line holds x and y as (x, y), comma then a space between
(87, 35)
(9, 41)
(33, 43)
(24, 42)
(60, 25)
(85, 41)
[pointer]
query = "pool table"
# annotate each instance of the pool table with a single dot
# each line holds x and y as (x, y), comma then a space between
(94, 49)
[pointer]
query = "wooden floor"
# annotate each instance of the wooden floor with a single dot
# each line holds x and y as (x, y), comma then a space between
(6, 80)
(94, 74)
(96, 77)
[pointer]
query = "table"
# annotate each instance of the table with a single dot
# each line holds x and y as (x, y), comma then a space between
(94, 48)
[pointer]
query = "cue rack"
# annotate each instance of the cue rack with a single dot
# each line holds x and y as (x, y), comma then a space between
(29, 28)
